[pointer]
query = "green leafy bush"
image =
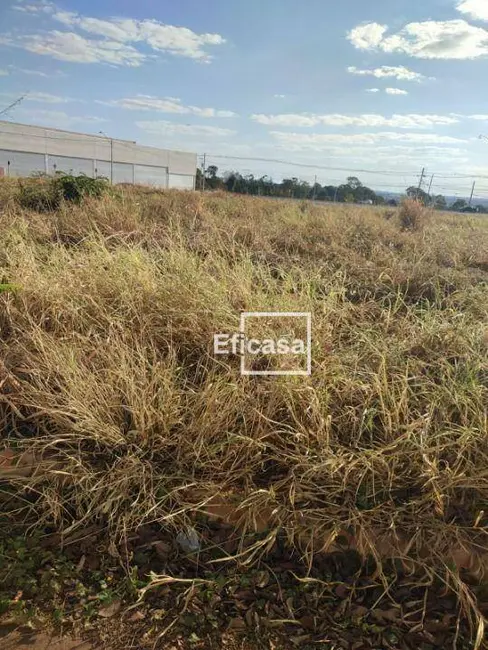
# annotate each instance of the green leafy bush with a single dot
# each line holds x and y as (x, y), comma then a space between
(75, 188)
(39, 194)
(46, 194)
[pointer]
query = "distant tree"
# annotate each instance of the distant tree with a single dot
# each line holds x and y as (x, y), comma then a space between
(327, 193)
(199, 179)
(419, 194)
(288, 185)
(459, 205)
(351, 192)
(392, 202)
(234, 182)
(251, 184)
(439, 202)
(354, 182)
(212, 181)
(303, 190)
(315, 191)
(340, 192)
(265, 186)
(363, 193)
(292, 187)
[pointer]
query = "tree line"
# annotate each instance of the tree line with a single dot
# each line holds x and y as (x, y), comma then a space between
(440, 202)
(352, 191)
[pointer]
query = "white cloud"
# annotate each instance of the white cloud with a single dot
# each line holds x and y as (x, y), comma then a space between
(395, 91)
(4, 73)
(409, 153)
(279, 96)
(39, 97)
(42, 6)
(166, 105)
(111, 40)
(37, 73)
(388, 91)
(163, 127)
(319, 141)
(179, 41)
(407, 121)
(482, 118)
(105, 28)
(399, 72)
(367, 37)
(58, 119)
(47, 98)
(452, 39)
(287, 119)
(477, 9)
(68, 46)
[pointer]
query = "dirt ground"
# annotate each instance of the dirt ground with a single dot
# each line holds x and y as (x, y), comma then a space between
(26, 639)
(15, 638)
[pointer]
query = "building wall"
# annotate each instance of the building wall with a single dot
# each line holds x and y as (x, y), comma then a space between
(22, 164)
(31, 149)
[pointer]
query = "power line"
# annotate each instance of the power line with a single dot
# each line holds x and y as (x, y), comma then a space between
(461, 176)
(18, 101)
(311, 166)
(411, 177)
(346, 169)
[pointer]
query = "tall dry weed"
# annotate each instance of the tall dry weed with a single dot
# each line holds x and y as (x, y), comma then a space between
(413, 215)
(108, 373)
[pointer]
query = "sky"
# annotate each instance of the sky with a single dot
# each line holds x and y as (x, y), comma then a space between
(377, 89)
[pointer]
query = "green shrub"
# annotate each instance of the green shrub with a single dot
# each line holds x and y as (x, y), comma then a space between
(46, 194)
(75, 188)
(39, 194)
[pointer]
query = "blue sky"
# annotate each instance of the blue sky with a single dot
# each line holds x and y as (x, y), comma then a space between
(388, 86)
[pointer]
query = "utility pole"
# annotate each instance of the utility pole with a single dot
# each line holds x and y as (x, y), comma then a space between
(111, 156)
(314, 188)
(204, 167)
(430, 187)
(472, 194)
(420, 182)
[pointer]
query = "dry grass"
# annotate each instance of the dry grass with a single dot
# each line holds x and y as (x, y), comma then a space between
(108, 371)
(413, 215)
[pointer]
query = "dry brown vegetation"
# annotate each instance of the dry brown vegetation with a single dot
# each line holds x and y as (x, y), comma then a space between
(413, 215)
(122, 416)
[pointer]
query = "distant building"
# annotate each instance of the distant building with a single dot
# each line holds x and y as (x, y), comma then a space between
(25, 150)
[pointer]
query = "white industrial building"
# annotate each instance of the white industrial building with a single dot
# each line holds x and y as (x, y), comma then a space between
(25, 150)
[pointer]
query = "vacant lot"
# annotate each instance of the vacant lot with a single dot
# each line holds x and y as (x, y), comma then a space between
(357, 496)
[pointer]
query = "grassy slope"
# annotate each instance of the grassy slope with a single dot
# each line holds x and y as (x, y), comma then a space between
(109, 380)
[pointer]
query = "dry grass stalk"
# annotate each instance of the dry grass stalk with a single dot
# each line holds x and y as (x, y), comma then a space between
(110, 372)
(413, 215)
